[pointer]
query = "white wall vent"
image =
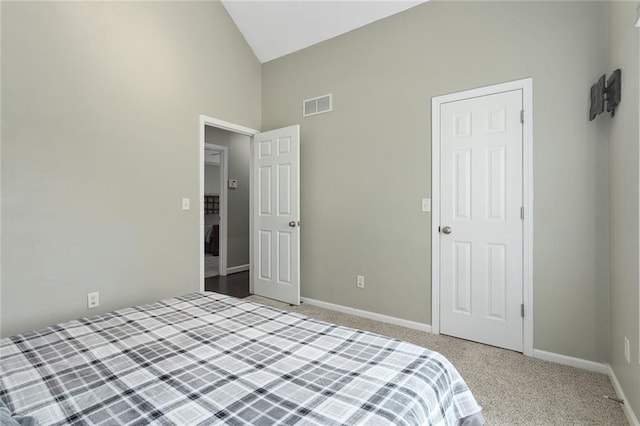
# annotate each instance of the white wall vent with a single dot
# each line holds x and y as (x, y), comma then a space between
(317, 105)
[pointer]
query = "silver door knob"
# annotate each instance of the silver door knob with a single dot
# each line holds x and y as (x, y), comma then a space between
(292, 224)
(446, 230)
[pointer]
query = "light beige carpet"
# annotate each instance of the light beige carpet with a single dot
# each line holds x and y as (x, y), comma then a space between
(511, 388)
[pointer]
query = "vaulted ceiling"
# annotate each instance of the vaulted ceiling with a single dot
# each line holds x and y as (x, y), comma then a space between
(277, 28)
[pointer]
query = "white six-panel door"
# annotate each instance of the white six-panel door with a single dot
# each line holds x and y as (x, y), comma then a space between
(276, 214)
(481, 229)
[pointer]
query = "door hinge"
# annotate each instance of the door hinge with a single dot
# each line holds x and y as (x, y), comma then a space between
(522, 310)
(522, 116)
(522, 213)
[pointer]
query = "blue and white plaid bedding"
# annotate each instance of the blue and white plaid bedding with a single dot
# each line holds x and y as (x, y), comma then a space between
(208, 358)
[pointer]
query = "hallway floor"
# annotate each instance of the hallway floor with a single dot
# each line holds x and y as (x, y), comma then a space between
(211, 263)
(236, 285)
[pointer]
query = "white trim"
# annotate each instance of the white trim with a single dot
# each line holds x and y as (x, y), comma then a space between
(628, 411)
(224, 205)
(527, 226)
(526, 85)
(583, 364)
(369, 315)
(225, 125)
(239, 268)
(251, 203)
(435, 216)
(214, 122)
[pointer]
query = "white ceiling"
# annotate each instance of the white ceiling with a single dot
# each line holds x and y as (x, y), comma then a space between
(276, 28)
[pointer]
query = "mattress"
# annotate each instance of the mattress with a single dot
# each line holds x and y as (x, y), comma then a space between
(207, 358)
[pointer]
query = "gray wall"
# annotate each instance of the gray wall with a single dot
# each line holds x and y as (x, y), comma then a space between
(383, 76)
(211, 179)
(238, 205)
(100, 106)
(624, 178)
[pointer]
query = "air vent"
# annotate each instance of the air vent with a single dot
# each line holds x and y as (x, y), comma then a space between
(317, 105)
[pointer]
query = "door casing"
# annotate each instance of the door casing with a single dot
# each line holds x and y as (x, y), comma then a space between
(224, 204)
(526, 85)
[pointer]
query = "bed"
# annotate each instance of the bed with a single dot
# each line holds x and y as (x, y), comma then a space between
(206, 358)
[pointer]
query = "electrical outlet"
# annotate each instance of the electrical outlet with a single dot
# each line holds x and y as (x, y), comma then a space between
(627, 351)
(186, 204)
(360, 281)
(426, 205)
(93, 300)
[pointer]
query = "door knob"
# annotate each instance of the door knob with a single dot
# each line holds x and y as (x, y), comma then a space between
(292, 224)
(446, 230)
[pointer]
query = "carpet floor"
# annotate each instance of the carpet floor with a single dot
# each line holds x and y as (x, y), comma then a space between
(511, 388)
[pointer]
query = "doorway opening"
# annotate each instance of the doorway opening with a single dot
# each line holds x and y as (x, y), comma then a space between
(225, 205)
(262, 233)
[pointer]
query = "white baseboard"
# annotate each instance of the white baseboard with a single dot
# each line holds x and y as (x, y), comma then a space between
(584, 364)
(628, 411)
(239, 268)
(369, 315)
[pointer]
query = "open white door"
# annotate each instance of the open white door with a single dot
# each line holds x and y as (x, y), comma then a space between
(276, 214)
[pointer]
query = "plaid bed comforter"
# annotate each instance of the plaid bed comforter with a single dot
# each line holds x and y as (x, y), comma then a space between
(208, 358)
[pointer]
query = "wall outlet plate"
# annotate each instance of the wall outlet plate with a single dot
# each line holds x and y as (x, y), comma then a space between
(426, 205)
(360, 281)
(93, 300)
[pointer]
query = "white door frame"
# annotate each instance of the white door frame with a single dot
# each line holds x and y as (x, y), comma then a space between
(224, 204)
(236, 128)
(526, 85)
